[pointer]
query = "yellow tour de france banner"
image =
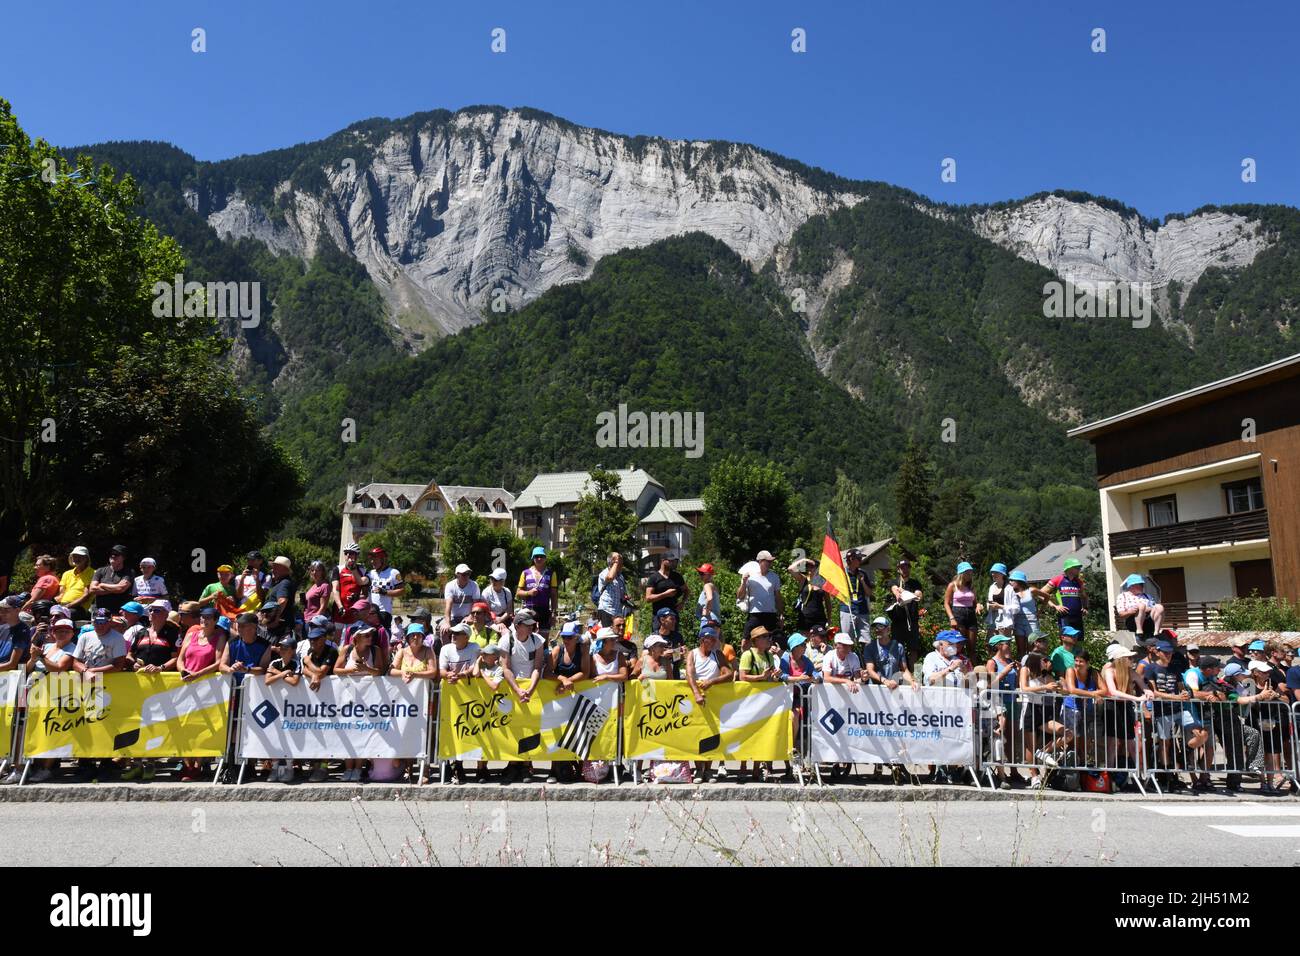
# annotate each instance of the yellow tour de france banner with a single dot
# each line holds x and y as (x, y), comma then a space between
(9, 683)
(127, 715)
(476, 722)
(738, 721)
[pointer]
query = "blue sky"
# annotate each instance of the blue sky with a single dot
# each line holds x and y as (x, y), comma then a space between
(886, 90)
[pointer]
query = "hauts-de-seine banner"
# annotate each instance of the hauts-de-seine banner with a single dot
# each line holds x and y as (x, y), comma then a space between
(478, 723)
(127, 715)
(877, 725)
(362, 717)
(739, 721)
(9, 684)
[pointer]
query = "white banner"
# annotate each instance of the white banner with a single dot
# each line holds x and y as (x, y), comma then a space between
(349, 717)
(876, 725)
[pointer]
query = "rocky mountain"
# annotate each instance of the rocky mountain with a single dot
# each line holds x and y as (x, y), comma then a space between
(380, 241)
(451, 214)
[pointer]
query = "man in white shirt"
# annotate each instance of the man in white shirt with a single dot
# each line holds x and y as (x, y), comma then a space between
(458, 655)
(458, 598)
(523, 658)
(385, 584)
(760, 596)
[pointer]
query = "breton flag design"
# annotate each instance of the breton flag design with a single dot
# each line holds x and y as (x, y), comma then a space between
(831, 569)
(585, 723)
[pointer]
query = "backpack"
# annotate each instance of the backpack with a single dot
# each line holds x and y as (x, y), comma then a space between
(596, 587)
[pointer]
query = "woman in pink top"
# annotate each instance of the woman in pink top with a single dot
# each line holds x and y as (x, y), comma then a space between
(317, 599)
(959, 601)
(200, 655)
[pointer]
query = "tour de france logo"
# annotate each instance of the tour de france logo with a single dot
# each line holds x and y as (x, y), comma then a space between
(660, 717)
(474, 717)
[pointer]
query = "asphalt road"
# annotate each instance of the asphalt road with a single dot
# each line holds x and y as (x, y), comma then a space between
(670, 831)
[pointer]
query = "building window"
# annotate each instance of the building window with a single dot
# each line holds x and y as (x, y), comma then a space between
(1245, 495)
(1161, 511)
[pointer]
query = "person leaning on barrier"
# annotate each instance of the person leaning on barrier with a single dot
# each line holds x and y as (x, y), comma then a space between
(945, 665)
(414, 659)
(1171, 718)
(1081, 709)
(886, 659)
(284, 666)
(1042, 734)
(1002, 673)
(842, 665)
(54, 657)
(1267, 715)
(1119, 716)
(15, 635)
(705, 667)
(758, 664)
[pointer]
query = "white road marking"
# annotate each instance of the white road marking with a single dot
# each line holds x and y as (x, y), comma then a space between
(1223, 810)
(1277, 830)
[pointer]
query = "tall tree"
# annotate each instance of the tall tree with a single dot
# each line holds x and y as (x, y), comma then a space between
(749, 508)
(410, 543)
(857, 521)
(914, 488)
(115, 414)
(604, 523)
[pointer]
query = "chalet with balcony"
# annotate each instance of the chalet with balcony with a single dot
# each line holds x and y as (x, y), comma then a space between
(1200, 492)
(368, 508)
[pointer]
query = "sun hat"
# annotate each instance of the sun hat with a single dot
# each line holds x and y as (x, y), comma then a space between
(654, 640)
(414, 629)
(538, 552)
(1133, 579)
(223, 623)
(796, 639)
(80, 551)
(843, 638)
(161, 605)
(964, 567)
(999, 639)
(283, 561)
(1257, 645)
(462, 568)
(1116, 651)
(759, 631)
(998, 568)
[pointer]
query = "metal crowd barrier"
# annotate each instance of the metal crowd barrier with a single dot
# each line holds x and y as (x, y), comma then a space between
(1202, 739)
(1046, 732)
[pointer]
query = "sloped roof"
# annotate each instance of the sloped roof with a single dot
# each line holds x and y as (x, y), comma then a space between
(376, 489)
(664, 513)
(687, 505)
(869, 551)
(453, 494)
(1046, 564)
(562, 487)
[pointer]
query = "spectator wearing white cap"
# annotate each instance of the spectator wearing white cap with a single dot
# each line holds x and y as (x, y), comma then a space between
(759, 595)
(74, 584)
(148, 586)
(282, 591)
(498, 597)
(705, 667)
(458, 597)
(842, 665)
(653, 665)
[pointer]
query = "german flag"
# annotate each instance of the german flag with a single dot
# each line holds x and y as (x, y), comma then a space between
(835, 580)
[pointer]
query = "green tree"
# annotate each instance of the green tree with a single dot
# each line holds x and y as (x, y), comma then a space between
(857, 520)
(469, 538)
(410, 543)
(748, 508)
(914, 488)
(604, 523)
(115, 421)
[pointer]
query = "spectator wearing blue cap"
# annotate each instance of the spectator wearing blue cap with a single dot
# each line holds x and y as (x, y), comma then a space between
(1021, 602)
(1169, 715)
(1003, 675)
(945, 665)
(414, 659)
(1136, 609)
(960, 603)
(284, 666)
(537, 589)
(15, 635)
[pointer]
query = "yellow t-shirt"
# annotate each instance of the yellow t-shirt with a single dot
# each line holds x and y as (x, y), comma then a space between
(74, 585)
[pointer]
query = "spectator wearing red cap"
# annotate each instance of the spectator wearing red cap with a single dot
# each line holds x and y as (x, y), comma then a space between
(385, 584)
(348, 582)
(479, 619)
